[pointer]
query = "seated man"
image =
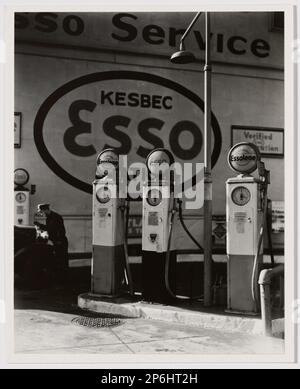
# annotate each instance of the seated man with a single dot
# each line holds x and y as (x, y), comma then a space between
(56, 234)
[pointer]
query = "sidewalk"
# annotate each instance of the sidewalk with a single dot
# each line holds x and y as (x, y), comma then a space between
(45, 332)
(43, 325)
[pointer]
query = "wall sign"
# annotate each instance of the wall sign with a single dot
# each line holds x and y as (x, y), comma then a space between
(270, 141)
(219, 230)
(134, 226)
(17, 129)
(155, 33)
(277, 217)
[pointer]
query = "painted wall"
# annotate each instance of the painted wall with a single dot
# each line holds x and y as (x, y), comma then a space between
(82, 117)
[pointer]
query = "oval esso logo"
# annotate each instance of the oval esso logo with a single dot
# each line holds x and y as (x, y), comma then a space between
(243, 157)
(129, 112)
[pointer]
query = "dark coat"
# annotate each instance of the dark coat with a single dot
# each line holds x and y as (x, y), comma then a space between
(55, 228)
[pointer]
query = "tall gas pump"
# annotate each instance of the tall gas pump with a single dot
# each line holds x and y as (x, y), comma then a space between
(246, 207)
(22, 197)
(158, 208)
(109, 257)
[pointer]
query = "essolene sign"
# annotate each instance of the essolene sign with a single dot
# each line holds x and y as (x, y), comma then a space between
(21, 177)
(107, 161)
(243, 157)
(159, 161)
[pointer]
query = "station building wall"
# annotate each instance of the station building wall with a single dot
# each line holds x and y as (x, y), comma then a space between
(73, 92)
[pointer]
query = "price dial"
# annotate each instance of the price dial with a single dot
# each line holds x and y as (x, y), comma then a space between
(154, 197)
(241, 195)
(20, 197)
(103, 195)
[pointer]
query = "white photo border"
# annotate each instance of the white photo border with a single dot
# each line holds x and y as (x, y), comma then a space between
(290, 181)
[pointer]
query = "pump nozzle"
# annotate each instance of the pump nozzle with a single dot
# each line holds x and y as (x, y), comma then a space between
(261, 168)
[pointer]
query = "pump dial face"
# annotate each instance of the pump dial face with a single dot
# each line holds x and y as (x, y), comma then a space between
(154, 197)
(103, 195)
(240, 195)
(20, 197)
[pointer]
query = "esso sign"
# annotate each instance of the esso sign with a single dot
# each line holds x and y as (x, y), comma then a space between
(131, 112)
(243, 157)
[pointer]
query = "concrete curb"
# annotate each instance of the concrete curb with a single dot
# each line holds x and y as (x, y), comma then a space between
(121, 306)
(118, 306)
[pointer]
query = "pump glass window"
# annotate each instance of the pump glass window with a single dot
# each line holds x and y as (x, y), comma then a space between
(240, 195)
(153, 219)
(103, 195)
(154, 197)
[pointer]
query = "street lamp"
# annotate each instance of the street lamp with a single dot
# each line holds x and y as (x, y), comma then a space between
(184, 57)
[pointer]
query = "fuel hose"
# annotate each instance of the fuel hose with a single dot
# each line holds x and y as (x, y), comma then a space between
(167, 266)
(127, 265)
(269, 230)
(185, 227)
(254, 278)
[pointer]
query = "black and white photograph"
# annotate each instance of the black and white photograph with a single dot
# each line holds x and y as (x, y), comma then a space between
(151, 200)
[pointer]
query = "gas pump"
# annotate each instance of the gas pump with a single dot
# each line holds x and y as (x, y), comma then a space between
(246, 207)
(158, 211)
(22, 197)
(109, 261)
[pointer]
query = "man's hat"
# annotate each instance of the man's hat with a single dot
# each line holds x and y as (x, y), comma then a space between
(43, 207)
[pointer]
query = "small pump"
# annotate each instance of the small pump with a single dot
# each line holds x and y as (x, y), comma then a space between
(246, 208)
(22, 197)
(158, 208)
(109, 260)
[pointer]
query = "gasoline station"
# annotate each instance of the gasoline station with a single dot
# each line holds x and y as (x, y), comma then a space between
(157, 141)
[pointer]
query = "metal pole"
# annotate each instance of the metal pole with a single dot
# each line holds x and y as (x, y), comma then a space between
(266, 314)
(265, 278)
(207, 169)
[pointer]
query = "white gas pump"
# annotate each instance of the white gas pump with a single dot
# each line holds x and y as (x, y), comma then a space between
(22, 197)
(156, 223)
(109, 259)
(246, 207)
